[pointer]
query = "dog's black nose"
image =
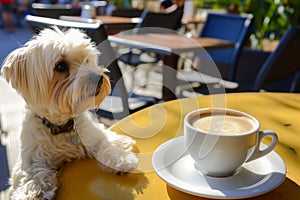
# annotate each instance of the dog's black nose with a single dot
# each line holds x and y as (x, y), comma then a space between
(95, 80)
(100, 81)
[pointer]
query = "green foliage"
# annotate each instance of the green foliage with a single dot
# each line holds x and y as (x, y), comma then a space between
(271, 17)
(218, 4)
(120, 2)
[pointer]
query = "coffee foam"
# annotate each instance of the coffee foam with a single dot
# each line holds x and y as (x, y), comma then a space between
(223, 124)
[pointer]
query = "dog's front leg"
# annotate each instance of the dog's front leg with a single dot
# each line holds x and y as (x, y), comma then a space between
(113, 151)
(113, 154)
(37, 182)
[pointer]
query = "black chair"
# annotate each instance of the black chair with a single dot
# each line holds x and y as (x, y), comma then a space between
(282, 64)
(127, 12)
(152, 22)
(54, 10)
(119, 104)
(170, 21)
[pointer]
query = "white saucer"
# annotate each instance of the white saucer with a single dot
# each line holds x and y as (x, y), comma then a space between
(172, 163)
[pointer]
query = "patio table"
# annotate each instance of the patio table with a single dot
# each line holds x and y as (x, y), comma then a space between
(155, 125)
(170, 46)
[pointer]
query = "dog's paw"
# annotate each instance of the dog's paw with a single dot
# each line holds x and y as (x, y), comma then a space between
(121, 165)
(121, 141)
(129, 163)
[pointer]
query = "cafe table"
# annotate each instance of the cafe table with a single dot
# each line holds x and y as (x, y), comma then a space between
(153, 126)
(170, 46)
(195, 21)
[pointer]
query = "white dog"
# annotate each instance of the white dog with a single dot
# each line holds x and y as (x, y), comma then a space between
(58, 76)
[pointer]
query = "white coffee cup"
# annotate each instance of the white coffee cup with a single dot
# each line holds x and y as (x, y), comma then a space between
(88, 12)
(220, 140)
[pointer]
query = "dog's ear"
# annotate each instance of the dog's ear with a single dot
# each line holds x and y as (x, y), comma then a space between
(14, 68)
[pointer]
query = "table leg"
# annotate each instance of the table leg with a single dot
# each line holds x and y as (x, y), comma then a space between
(169, 77)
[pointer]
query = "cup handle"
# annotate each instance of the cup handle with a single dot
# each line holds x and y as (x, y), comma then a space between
(259, 153)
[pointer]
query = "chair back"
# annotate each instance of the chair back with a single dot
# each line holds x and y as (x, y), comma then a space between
(127, 12)
(54, 10)
(283, 62)
(170, 22)
(37, 23)
(98, 34)
(231, 27)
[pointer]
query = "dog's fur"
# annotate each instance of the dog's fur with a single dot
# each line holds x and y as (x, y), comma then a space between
(57, 74)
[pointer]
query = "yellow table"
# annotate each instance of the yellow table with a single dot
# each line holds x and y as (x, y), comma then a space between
(153, 126)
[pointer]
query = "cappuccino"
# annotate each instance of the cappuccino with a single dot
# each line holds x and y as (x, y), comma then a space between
(221, 140)
(224, 124)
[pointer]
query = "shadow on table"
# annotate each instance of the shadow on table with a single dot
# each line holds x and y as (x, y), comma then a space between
(83, 179)
(288, 190)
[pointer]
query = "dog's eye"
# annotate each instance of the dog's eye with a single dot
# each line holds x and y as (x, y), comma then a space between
(61, 66)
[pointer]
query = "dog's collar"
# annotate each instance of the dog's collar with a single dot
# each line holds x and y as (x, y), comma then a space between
(58, 129)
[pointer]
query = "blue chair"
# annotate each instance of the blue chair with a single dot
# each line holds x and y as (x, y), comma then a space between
(280, 72)
(120, 103)
(216, 66)
(230, 27)
(282, 65)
